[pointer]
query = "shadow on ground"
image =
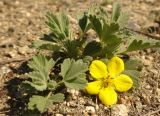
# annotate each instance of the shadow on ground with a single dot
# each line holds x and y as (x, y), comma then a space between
(17, 93)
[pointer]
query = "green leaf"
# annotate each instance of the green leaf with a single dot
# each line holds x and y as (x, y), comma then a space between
(123, 20)
(92, 48)
(84, 23)
(134, 74)
(39, 102)
(59, 97)
(52, 85)
(110, 50)
(132, 69)
(70, 47)
(73, 73)
(109, 34)
(42, 103)
(59, 24)
(41, 63)
(133, 64)
(92, 9)
(98, 11)
(51, 37)
(140, 43)
(77, 83)
(43, 44)
(116, 12)
(109, 30)
(41, 68)
(96, 24)
(87, 59)
(137, 45)
(39, 80)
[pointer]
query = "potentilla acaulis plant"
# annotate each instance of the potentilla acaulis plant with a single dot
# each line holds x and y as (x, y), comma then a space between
(70, 60)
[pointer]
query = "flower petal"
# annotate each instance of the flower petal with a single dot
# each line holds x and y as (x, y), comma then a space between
(94, 87)
(108, 96)
(98, 69)
(122, 83)
(115, 66)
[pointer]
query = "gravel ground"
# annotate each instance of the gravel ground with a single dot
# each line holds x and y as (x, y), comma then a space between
(22, 21)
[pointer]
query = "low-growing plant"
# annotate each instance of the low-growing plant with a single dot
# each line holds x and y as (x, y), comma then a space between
(43, 79)
(71, 57)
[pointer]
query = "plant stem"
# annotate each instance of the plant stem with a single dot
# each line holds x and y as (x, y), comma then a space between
(110, 109)
(49, 94)
(59, 84)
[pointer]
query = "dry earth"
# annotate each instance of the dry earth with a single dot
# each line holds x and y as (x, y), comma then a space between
(22, 21)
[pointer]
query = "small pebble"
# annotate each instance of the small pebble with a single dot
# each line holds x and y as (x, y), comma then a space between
(148, 87)
(109, 8)
(72, 104)
(139, 105)
(12, 54)
(120, 110)
(23, 50)
(158, 94)
(58, 114)
(90, 109)
(97, 107)
(74, 93)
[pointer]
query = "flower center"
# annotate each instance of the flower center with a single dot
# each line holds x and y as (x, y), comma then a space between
(108, 81)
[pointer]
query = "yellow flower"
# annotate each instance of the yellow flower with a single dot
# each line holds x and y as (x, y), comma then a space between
(108, 79)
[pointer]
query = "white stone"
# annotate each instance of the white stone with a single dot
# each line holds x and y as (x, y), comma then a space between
(120, 110)
(58, 115)
(90, 109)
(158, 92)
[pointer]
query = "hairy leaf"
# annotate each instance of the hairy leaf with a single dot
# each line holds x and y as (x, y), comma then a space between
(140, 43)
(111, 28)
(39, 102)
(70, 47)
(133, 64)
(92, 48)
(39, 80)
(41, 63)
(59, 97)
(84, 23)
(116, 12)
(87, 59)
(73, 73)
(132, 69)
(52, 85)
(42, 44)
(134, 74)
(42, 103)
(59, 24)
(123, 20)
(96, 24)
(109, 34)
(41, 68)
(77, 83)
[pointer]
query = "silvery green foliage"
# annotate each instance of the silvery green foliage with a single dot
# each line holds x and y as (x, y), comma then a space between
(73, 73)
(42, 103)
(111, 29)
(113, 34)
(133, 69)
(41, 69)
